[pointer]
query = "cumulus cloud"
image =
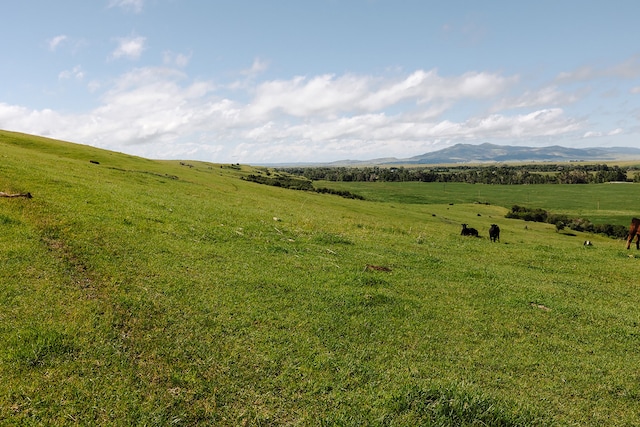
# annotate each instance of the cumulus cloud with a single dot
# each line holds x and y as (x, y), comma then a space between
(129, 47)
(160, 112)
(44, 122)
(329, 95)
(301, 96)
(149, 104)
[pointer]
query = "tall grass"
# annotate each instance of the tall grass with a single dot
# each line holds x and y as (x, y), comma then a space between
(140, 292)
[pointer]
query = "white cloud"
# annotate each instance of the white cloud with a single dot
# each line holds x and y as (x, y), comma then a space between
(300, 97)
(598, 134)
(130, 5)
(41, 122)
(329, 95)
(592, 134)
(151, 105)
(75, 73)
(56, 41)
(159, 112)
(635, 90)
(129, 47)
(379, 135)
(547, 96)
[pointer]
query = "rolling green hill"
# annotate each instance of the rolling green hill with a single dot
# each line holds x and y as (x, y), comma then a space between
(143, 292)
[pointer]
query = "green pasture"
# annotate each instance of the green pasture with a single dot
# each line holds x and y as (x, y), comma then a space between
(142, 292)
(610, 203)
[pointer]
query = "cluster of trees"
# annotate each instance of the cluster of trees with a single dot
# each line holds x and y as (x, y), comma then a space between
(504, 175)
(293, 183)
(283, 181)
(563, 221)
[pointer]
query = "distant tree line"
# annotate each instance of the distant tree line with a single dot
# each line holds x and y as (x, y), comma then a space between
(564, 221)
(502, 175)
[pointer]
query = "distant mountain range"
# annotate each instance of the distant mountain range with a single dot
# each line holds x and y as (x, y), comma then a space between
(487, 153)
(465, 153)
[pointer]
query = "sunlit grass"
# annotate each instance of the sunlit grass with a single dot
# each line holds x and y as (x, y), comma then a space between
(137, 292)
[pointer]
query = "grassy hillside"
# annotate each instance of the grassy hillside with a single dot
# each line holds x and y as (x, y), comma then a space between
(140, 292)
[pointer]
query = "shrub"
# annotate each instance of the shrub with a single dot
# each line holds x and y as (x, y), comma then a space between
(562, 221)
(294, 183)
(527, 214)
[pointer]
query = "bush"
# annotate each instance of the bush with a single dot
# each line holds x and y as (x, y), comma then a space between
(562, 221)
(558, 218)
(342, 193)
(616, 231)
(294, 183)
(527, 214)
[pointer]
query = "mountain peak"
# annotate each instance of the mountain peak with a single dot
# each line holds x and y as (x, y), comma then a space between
(487, 152)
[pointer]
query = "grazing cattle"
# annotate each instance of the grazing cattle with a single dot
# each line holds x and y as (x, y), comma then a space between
(634, 231)
(494, 232)
(468, 231)
(587, 243)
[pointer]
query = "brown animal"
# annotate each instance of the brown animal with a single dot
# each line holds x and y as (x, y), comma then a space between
(634, 231)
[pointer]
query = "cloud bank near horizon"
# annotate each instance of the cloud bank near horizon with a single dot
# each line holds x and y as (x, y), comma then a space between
(162, 112)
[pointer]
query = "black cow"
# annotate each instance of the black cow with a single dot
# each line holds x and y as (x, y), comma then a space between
(468, 231)
(494, 233)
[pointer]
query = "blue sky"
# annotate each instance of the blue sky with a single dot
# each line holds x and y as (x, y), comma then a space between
(256, 81)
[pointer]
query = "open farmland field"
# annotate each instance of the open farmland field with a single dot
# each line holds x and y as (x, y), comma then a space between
(141, 292)
(610, 203)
